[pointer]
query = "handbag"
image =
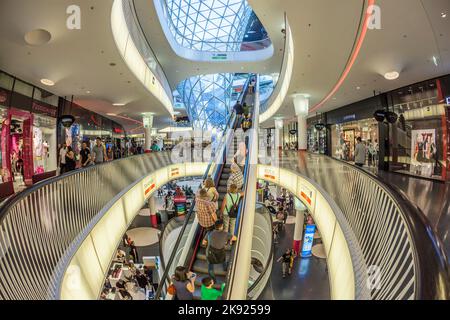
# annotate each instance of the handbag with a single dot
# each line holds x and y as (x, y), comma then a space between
(172, 290)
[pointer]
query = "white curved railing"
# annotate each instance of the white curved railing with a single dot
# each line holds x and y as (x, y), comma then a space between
(271, 107)
(137, 54)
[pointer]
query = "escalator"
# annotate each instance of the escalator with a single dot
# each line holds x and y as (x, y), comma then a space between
(188, 250)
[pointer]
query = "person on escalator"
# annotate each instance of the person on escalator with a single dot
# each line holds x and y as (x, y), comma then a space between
(183, 284)
(206, 212)
(212, 192)
(246, 123)
(208, 292)
(229, 209)
(241, 155)
(218, 239)
(246, 110)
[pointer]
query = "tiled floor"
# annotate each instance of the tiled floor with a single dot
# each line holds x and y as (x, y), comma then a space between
(309, 278)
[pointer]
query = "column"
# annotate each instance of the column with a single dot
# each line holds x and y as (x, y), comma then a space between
(278, 134)
(148, 124)
(298, 232)
(152, 207)
(301, 104)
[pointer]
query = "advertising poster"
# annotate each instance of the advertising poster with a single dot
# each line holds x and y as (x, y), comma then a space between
(423, 152)
(308, 240)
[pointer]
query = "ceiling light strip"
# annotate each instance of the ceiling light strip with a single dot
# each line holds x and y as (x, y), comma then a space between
(353, 58)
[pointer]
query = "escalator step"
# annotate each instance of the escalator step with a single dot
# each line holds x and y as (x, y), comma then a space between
(224, 176)
(201, 267)
(222, 189)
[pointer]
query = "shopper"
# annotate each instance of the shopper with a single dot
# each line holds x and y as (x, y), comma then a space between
(183, 283)
(360, 153)
(62, 158)
(212, 191)
(241, 155)
(238, 108)
(133, 252)
(70, 160)
(285, 260)
(155, 147)
(109, 154)
(141, 280)
(206, 211)
(229, 209)
(218, 239)
(246, 123)
(236, 177)
(85, 155)
(207, 290)
(99, 152)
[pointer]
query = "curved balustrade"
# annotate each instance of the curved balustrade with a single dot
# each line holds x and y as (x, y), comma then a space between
(395, 242)
(41, 227)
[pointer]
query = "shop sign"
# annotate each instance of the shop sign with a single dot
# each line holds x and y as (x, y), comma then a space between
(379, 115)
(219, 56)
(307, 195)
(174, 172)
(270, 174)
(149, 186)
(319, 126)
(350, 117)
(308, 240)
(67, 120)
(48, 110)
(447, 100)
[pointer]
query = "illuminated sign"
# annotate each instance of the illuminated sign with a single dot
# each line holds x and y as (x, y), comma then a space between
(306, 194)
(447, 100)
(174, 172)
(149, 186)
(308, 240)
(270, 174)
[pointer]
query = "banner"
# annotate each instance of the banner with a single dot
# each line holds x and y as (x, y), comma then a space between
(423, 152)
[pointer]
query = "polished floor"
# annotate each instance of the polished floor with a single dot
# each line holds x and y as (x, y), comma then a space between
(431, 197)
(309, 278)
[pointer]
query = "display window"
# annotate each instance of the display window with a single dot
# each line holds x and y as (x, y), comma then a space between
(44, 144)
(418, 139)
(343, 140)
(317, 140)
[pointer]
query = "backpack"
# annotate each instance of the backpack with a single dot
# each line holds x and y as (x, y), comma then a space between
(233, 212)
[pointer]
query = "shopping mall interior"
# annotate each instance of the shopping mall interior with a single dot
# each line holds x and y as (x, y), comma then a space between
(237, 150)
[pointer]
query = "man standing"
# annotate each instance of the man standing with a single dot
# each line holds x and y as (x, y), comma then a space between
(206, 211)
(215, 253)
(99, 152)
(62, 158)
(360, 153)
(85, 154)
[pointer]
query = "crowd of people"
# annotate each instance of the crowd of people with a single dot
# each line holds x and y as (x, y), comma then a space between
(68, 160)
(281, 207)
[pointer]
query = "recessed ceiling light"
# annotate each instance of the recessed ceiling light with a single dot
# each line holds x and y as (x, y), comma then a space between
(88, 92)
(444, 15)
(435, 61)
(111, 114)
(47, 82)
(118, 104)
(358, 88)
(393, 75)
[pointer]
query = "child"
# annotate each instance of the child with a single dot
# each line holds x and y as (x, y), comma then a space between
(285, 259)
(207, 290)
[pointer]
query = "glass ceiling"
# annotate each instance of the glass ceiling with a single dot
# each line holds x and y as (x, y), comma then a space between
(209, 25)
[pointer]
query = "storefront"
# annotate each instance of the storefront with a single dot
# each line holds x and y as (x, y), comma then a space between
(317, 135)
(418, 141)
(347, 124)
(290, 136)
(28, 134)
(87, 127)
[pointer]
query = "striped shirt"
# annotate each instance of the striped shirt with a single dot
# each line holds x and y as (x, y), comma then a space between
(205, 210)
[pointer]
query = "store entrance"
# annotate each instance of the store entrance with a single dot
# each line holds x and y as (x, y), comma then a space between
(349, 148)
(18, 149)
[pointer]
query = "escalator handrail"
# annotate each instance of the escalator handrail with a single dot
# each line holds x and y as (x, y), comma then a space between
(165, 276)
(242, 204)
(270, 258)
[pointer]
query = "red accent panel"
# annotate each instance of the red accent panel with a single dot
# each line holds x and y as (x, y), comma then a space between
(154, 220)
(351, 62)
